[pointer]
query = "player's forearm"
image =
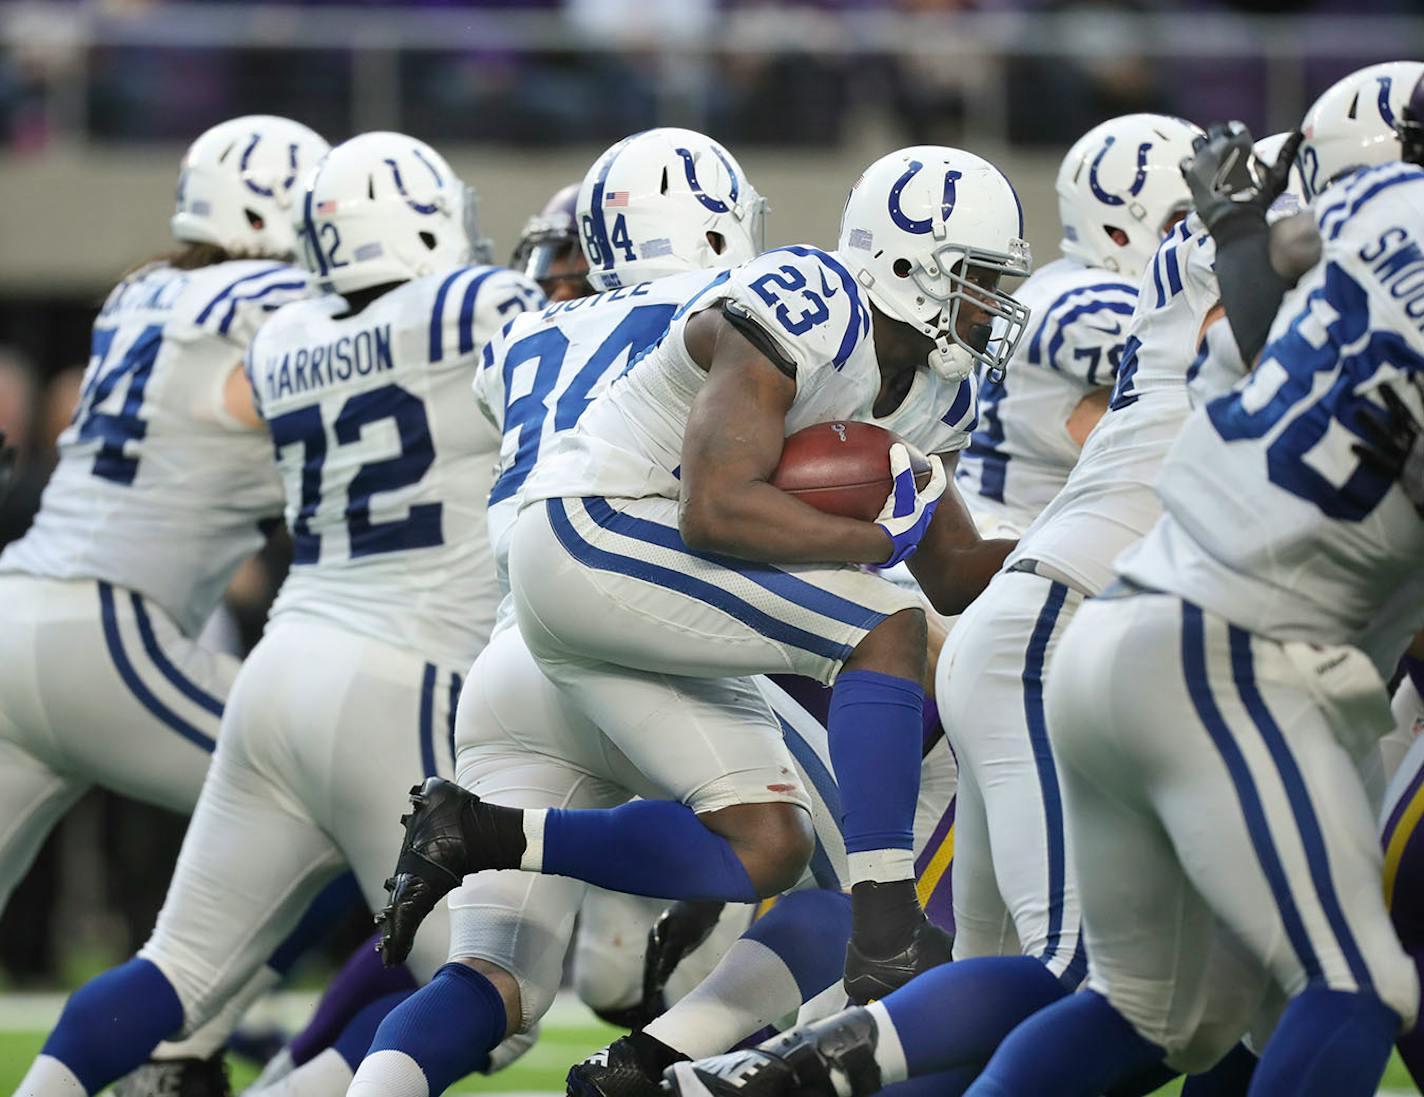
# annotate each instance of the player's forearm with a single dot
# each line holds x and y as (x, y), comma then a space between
(953, 578)
(755, 521)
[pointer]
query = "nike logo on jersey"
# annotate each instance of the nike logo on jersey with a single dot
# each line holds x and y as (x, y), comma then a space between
(1116, 329)
(827, 290)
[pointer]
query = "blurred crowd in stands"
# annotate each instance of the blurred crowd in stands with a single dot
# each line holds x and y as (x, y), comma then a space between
(800, 97)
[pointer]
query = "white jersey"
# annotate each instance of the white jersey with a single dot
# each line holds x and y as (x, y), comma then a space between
(543, 370)
(1021, 455)
(1272, 521)
(629, 443)
(1109, 500)
(158, 489)
(386, 464)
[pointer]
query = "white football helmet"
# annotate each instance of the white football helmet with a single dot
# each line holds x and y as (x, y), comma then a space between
(1120, 187)
(384, 207)
(238, 184)
(915, 222)
(1292, 199)
(1351, 125)
(647, 204)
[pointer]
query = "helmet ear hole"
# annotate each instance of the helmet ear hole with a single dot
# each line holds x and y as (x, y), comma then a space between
(254, 218)
(1116, 235)
(718, 242)
(901, 267)
(428, 239)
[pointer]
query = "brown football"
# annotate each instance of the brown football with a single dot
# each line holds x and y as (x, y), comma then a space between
(843, 468)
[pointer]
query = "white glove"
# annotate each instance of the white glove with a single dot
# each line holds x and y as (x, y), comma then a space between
(907, 512)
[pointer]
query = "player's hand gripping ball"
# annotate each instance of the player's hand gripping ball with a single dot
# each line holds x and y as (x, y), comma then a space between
(843, 468)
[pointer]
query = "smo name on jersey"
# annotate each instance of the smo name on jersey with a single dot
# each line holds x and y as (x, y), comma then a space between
(1310, 542)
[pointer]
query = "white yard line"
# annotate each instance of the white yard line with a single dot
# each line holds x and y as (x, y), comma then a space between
(37, 1012)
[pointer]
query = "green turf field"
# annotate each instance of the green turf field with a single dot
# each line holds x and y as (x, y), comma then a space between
(542, 1070)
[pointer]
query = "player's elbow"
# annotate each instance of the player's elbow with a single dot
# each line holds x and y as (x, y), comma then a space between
(703, 523)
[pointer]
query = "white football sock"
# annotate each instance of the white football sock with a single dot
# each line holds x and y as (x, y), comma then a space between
(323, 1075)
(889, 1055)
(277, 1068)
(748, 990)
(881, 866)
(533, 859)
(48, 1077)
(388, 1073)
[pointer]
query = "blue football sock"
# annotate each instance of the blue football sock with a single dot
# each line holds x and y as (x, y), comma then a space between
(954, 1016)
(875, 730)
(356, 1038)
(1229, 1078)
(1079, 1047)
(808, 930)
(111, 1024)
(449, 1026)
(646, 847)
(1329, 1043)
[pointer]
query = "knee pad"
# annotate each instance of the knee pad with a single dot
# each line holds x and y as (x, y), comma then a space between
(522, 923)
(611, 947)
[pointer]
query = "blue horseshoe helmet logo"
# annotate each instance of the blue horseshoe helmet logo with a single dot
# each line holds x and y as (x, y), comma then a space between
(257, 188)
(1137, 183)
(419, 207)
(924, 225)
(689, 167)
(1385, 82)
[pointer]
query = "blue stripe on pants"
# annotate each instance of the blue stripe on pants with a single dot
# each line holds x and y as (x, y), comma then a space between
(768, 626)
(1194, 669)
(1244, 672)
(456, 684)
(181, 683)
(427, 721)
(1034, 659)
(131, 679)
(781, 583)
(829, 792)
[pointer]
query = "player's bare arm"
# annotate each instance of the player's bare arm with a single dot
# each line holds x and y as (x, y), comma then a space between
(732, 445)
(953, 563)
(1085, 415)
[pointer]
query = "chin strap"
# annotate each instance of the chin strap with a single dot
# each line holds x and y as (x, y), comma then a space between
(952, 362)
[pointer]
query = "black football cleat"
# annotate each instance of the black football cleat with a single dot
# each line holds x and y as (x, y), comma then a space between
(631, 1066)
(831, 1058)
(449, 833)
(177, 1078)
(868, 978)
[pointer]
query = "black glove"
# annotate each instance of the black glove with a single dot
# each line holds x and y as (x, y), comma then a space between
(7, 465)
(1229, 181)
(678, 930)
(1394, 445)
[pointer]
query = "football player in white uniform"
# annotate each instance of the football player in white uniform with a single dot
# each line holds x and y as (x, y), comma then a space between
(1401, 836)
(163, 487)
(1119, 192)
(384, 469)
(769, 347)
(1223, 806)
(568, 747)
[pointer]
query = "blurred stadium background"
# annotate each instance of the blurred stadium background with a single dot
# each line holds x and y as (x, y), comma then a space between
(98, 99)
